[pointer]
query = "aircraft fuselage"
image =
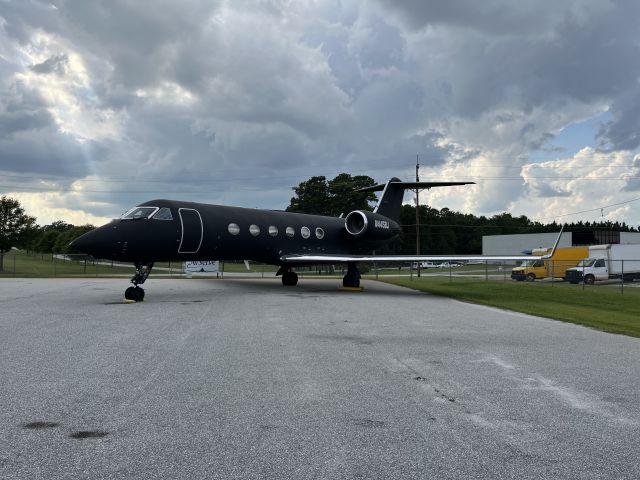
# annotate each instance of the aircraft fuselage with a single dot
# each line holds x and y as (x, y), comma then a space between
(198, 231)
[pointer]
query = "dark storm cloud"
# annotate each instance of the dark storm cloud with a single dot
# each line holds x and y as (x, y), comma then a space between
(623, 132)
(525, 55)
(22, 109)
(30, 140)
(46, 152)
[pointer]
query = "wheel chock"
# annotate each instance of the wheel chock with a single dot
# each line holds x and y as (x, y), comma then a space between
(351, 289)
(126, 300)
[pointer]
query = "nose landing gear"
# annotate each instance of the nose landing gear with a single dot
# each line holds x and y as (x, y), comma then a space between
(136, 293)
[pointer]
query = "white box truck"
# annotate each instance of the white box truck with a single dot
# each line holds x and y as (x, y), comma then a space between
(605, 262)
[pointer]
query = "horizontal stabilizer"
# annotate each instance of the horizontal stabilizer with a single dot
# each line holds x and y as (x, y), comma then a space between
(412, 185)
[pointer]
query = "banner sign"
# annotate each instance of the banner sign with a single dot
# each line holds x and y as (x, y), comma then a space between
(206, 266)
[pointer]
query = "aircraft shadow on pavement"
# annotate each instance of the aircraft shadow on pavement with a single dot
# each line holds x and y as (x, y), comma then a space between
(331, 286)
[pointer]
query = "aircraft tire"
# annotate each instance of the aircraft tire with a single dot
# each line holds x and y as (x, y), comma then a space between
(139, 294)
(350, 281)
(290, 279)
(134, 293)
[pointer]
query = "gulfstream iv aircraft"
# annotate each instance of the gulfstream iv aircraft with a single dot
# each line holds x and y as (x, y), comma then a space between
(168, 230)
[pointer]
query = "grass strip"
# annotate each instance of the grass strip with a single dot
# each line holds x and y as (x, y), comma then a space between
(602, 307)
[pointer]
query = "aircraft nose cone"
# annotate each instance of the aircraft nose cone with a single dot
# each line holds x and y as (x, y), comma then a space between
(83, 243)
(93, 243)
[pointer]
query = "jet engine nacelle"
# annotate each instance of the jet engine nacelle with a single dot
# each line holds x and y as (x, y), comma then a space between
(370, 226)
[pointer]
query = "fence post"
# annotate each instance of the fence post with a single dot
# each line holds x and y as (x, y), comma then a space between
(53, 259)
(622, 284)
(583, 275)
(14, 265)
(486, 270)
(552, 272)
(450, 273)
(411, 271)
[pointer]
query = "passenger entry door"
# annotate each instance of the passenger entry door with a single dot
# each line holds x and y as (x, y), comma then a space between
(192, 230)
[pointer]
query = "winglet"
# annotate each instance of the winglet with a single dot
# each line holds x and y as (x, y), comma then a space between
(555, 245)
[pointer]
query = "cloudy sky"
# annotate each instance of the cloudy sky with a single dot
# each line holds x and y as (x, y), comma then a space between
(108, 103)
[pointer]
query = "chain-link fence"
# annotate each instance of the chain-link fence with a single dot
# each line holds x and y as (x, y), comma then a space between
(586, 274)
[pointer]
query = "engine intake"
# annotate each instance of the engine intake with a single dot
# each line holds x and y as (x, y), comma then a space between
(370, 226)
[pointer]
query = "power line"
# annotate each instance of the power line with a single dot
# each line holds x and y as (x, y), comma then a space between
(592, 209)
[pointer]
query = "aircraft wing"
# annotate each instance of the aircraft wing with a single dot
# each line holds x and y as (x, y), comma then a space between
(303, 258)
(401, 258)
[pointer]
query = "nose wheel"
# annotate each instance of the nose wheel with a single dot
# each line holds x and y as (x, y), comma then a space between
(136, 293)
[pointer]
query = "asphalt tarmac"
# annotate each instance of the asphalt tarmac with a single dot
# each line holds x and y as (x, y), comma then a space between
(249, 379)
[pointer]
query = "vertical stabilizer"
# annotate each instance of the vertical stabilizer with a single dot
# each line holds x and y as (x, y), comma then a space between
(390, 201)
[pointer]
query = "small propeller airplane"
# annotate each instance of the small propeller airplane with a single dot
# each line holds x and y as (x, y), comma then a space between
(170, 230)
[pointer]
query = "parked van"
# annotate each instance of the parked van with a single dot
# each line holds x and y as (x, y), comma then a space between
(554, 267)
(607, 261)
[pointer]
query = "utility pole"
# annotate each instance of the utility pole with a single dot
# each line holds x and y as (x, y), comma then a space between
(417, 213)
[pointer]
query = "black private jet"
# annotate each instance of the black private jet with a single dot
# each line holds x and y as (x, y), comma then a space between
(170, 230)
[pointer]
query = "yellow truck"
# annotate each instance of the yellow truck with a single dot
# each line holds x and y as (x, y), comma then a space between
(554, 267)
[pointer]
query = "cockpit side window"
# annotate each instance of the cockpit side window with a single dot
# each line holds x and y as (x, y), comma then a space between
(139, 213)
(163, 214)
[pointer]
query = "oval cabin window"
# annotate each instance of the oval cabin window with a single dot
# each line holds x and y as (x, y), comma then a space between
(305, 232)
(290, 232)
(273, 230)
(319, 233)
(254, 230)
(233, 228)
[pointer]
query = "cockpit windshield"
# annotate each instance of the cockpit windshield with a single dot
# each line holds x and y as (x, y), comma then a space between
(163, 214)
(138, 213)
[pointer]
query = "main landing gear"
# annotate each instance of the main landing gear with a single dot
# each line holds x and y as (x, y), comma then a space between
(289, 277)
(352, 278)
(136, 293)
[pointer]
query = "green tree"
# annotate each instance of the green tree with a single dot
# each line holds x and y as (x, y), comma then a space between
(344, 196)
(47, 241)
(340, 195)
(311, 196)
(13, 222)
(29, 238)
(49, 235)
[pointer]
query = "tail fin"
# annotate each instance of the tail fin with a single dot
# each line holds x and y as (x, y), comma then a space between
(393, 192)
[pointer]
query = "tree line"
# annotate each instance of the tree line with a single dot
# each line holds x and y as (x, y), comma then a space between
(17, 229)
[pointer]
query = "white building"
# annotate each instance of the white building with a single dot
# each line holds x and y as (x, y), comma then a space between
(523, 243)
